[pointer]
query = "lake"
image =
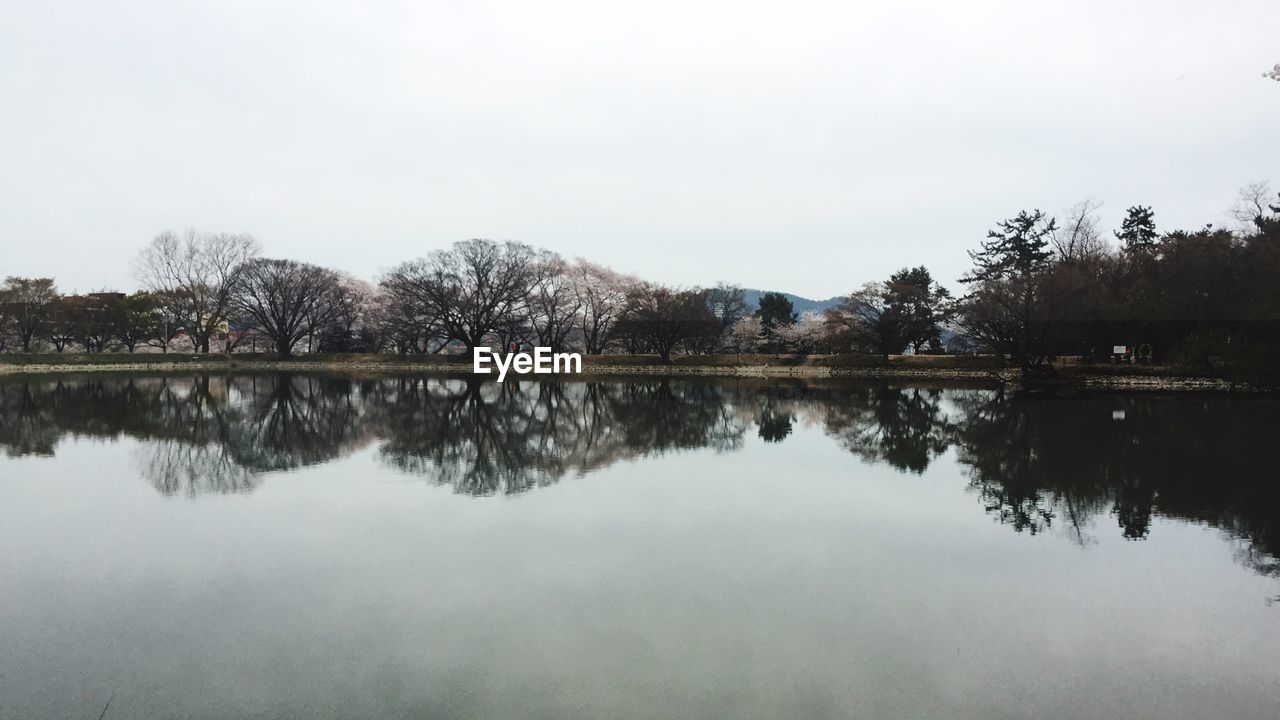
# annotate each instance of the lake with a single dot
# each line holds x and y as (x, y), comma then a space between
(312, 546)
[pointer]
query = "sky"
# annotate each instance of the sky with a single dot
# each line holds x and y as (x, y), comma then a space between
(807, 147)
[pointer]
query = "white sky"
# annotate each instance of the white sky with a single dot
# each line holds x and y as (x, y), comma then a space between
(805, 147)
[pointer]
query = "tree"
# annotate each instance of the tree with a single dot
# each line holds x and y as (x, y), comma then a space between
(801, 336)
(197, 272)
(662, 318)
(405, 313)
(553, 304)
(83, 319)
(919, 305)
(775, 309)
(135, 319)
(746, 334)
(601, 294)
(1273, 73)
(349, 326)
(60, 323)
(168, 320)
(728, 303)
(476, 289)
(868, 319)
(27, 303)
(1002, 309)
(1079, 239)
(1138, 230)
(288, 300)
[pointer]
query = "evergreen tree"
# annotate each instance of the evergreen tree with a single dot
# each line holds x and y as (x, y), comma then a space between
(920, 304)
(1138, 231)
(775, 309)
(1019, 248)
(1008, 270)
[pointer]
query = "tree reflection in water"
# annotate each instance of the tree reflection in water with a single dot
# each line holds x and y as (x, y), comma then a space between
(1037, 462)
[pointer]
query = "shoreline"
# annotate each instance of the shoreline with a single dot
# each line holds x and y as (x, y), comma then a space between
(1002, 376)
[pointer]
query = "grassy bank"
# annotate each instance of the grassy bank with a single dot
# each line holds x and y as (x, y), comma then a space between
(914, 367)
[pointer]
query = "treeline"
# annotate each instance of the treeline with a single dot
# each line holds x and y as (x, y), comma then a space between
(1205, 299)
(1040, 288)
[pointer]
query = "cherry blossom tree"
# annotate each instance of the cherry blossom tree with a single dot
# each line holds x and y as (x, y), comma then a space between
(747, 334)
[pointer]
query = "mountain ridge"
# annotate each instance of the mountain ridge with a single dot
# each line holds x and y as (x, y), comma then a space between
(801, 304)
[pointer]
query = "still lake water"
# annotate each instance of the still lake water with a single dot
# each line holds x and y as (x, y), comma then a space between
(324, 547)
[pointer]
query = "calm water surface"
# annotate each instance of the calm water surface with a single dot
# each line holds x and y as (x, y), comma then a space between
(324, 547)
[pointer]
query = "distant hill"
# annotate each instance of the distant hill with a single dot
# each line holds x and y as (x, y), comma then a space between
(801, 304)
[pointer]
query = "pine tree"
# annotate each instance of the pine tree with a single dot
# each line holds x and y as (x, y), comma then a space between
(1008, 270)
(1019, 248)
(1138, 231)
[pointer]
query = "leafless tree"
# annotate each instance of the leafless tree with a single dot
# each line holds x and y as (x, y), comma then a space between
(198, 271)
(287, 299)
(1079, 238)
(1251, 204)
(476, 290)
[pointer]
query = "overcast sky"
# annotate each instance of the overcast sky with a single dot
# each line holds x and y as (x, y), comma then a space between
(805, 147)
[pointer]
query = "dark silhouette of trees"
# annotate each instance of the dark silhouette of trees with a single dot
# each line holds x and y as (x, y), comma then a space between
(475, 290)
(1005, 310)
(886, 318)
(659, 319)
(775, 309)
(920, 304)
(903, 427)
(287, 300)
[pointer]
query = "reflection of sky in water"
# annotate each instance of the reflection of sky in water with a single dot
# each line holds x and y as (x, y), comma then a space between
(689, 567)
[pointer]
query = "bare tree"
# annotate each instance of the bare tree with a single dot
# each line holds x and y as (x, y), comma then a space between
(601, 294)
(404, 315)
(198, 271)
(728, 303)
(27, 303)
(1251, 204)
(475, 290)
(1079, 237)
(287, 299)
